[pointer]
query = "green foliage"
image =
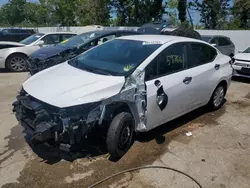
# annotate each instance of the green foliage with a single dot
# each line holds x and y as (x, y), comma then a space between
(172, 11)
(94, 12)
(241, 12)
(134, 13)
(213, 12)
(13, 12)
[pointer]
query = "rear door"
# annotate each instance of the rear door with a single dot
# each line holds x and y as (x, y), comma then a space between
(167, 76)
(205, 72)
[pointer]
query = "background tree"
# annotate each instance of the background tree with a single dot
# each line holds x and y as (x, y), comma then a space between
(93, 12)
(172, 12)
(182, 7)
(132, 12)
(241, 13)
(214, 13)
(13, 12)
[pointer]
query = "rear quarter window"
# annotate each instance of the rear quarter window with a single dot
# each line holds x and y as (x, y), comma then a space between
(200, 54)
(224, 41)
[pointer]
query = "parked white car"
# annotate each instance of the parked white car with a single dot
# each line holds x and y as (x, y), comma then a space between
(13, 55)
(127, 85)
(241, 64)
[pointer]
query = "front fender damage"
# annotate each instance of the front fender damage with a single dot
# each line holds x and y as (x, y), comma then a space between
(134, 95)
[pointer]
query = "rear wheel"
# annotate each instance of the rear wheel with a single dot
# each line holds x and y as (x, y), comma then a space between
(217, 98)
(16, 63)
(120, 135)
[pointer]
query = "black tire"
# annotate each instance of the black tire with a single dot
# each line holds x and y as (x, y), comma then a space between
(212, 104)
(117, 143)
(13, 57)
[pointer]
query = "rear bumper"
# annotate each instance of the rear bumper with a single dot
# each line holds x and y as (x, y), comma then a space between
(238, 73)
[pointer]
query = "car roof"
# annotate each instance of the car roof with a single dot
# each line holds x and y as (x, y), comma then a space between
(58, 32)
(104, 32)
(215, 36)
(161, 38)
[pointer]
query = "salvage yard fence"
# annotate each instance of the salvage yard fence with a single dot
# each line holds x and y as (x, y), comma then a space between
(241, 38)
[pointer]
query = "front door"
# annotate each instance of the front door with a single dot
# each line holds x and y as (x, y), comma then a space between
(168, 86)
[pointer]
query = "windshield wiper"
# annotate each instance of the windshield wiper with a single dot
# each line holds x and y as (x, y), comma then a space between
(98, 71)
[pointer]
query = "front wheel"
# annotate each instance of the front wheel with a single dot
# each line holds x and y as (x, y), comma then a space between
(16, 63)
(120, 135)
(217, 98)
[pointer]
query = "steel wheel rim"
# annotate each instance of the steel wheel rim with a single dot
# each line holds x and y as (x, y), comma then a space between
(218, 96)
(125, 135)
(17, 63)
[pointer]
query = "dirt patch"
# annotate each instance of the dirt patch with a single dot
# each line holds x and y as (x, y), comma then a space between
(247, 96)
(241, 103)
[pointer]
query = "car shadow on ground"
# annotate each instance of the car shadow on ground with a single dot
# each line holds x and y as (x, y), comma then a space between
(96, 146)
(241, 79)
(4, 71)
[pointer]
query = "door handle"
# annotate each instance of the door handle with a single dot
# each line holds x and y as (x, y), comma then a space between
(187, 80)
(217, 66)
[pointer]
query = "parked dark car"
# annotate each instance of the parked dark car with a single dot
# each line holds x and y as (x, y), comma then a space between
(223, 43)
(15, 35)
(59, 53)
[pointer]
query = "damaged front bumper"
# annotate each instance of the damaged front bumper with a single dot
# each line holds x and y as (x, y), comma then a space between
(64, 128)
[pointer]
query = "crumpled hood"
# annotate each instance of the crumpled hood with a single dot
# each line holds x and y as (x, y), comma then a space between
(243, 56)
(64, 86)
(48, 52)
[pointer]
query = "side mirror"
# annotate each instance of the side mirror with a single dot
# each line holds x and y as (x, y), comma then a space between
(40, 43)
(214, 45)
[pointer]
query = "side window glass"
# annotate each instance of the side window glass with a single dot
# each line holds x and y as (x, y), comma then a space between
(200, 54)
(169, 61)
(214, 41)
(5, 31)
(65, 37)
(224, 42)
(172, 60)
(105, 39)
(51, 39)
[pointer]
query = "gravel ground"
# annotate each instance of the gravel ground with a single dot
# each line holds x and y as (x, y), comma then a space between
(217, 154)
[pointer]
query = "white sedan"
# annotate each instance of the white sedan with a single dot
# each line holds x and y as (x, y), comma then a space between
(128, 85)
(241, 64)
